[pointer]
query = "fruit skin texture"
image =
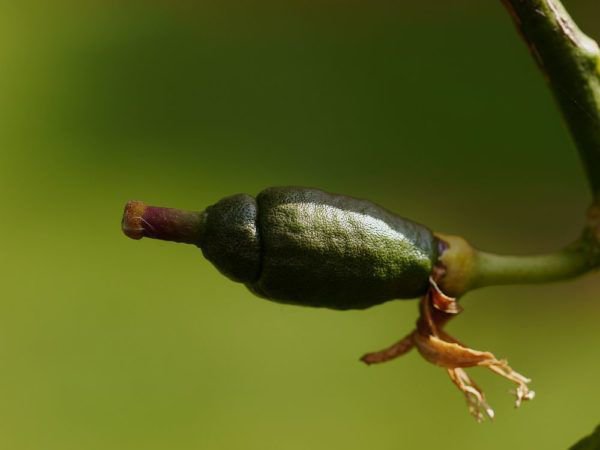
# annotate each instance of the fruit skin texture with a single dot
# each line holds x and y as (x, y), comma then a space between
(307, 247)
(229, 237)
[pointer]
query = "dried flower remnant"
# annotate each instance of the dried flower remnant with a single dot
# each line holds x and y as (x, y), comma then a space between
(441, 349)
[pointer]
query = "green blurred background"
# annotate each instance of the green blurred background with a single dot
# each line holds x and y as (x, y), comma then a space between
(435, 111)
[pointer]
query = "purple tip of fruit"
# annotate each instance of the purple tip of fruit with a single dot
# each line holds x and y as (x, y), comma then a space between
(167, 224)
(132, 224)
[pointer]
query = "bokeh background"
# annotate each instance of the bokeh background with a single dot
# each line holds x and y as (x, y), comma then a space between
(433, 109)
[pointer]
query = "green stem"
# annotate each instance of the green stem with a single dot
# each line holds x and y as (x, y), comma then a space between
(493, 269)
(570, 61)
(461, 267)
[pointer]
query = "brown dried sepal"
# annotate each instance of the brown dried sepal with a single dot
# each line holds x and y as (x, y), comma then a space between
(441, 349)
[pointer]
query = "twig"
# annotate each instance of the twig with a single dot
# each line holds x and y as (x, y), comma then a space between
(570, 60)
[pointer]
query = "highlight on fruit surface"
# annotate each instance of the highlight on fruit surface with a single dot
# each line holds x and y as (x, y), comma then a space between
(307, 247)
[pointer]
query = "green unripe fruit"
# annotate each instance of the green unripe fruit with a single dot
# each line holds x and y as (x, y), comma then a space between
(302, 246)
